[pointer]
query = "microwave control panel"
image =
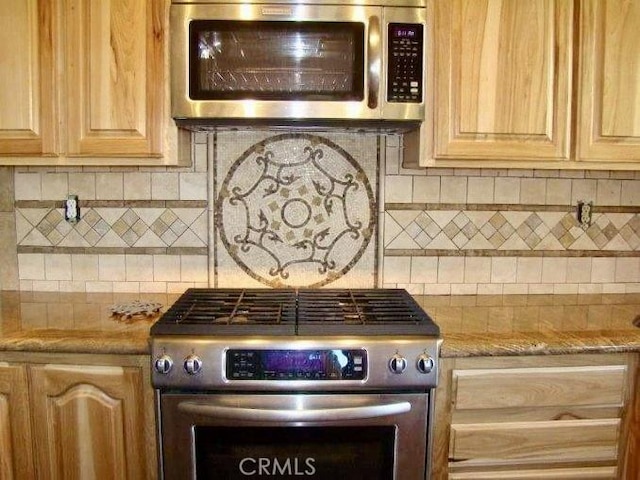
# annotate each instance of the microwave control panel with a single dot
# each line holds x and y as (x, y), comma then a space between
(405, 60)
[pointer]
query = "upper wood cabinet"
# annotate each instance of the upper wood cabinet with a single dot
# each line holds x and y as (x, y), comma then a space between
(502, 79)
(84, 82)
(609, 86)
(536, 84)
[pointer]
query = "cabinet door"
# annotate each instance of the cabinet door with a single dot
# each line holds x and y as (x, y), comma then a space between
(502, 79)
(115, 82)
(27, 90)
(16, 461)
(609, 88)
(88, 422)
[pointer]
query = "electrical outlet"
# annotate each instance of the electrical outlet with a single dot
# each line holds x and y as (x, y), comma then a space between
(584, 213)
(72, 209)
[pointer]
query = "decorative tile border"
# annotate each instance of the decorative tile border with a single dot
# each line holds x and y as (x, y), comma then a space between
(113, 227)
(523, 231)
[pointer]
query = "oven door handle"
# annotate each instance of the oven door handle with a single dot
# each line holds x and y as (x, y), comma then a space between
(328, 414)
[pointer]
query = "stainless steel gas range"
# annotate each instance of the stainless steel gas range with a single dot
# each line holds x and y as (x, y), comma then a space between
(323, 384)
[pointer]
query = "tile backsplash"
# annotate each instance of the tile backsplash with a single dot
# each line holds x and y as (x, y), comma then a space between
(305, 209)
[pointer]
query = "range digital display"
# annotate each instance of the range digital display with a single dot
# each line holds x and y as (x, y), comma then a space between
(332, 364)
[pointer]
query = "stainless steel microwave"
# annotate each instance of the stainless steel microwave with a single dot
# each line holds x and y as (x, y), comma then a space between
(292, 61)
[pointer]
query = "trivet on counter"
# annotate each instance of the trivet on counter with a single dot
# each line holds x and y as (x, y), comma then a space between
(136, 310)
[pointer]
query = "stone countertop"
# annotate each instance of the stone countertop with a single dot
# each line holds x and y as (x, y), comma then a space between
(75, 322)
(470, 325)
(489, 325)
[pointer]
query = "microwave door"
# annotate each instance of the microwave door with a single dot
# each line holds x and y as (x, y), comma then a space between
(316, 62)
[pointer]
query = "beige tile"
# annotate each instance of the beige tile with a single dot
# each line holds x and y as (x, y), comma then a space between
(137, 186)
(603, 270)
(529, 270)
(490, 289)
(153, 287)
(165, 186)
(109, 186)
(480, 190)
(398, 189)
(583, 191)
(558, 191)
(111, 268)
(630, 194)
(453, 189)
(532, 190)
(554, 270)
(139, 268)
(503, 269)
(166, 268)
(31, 266)
(464, 289)
(608, 192)
(437, 289)
(193, 186)
(7, 194)
(99, 287)
(579, 270)
(426, 189)
(451, 270)
(83, 185)
(55, 186)
(194, 268)
(9, 277)
(424, 270)
(28, 186)
(477, 269)
(57, 267)
(627, 270)
(84, 268)
(507, 190)
(396, 270)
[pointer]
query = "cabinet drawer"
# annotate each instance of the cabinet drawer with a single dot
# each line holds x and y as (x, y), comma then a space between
(539, 387)
(595, 473)
(554, 441)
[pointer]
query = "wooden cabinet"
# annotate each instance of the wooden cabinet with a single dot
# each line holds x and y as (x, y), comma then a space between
(534, 417)
(536, 84)
(609, 81)
(16, 460)
(89, 417)
(502, 79)
(89, 85)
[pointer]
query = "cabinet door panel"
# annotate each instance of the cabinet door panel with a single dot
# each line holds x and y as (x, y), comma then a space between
(589, 473)
(87, 422)
(115, 61)
(16, 461)
(609, 110)
(26, 84)
(502, 79)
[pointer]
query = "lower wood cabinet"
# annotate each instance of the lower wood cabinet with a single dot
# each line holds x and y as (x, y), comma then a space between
(536, 417)
(76, 417)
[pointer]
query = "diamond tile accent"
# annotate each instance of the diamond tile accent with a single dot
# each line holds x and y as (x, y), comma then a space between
(125, 224)
(509, 230)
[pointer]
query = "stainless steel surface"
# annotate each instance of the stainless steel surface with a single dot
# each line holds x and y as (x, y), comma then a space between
(180, 422)
(246, 407)
(211, 352)
(373, 106)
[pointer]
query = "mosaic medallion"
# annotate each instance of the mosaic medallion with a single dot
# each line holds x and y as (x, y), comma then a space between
(295, 210)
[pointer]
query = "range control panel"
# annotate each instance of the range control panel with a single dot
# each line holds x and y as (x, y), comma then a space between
(405, 62)
(313, 364)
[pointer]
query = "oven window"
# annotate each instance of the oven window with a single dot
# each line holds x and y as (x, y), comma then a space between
(272, 60)
(319, 453)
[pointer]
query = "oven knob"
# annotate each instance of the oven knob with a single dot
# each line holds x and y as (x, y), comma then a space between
(425, 363)
(163, 364)
(192, 364)
(398, 363)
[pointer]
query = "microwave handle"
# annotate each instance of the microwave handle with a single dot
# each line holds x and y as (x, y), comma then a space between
(251, 412)
(374, 50)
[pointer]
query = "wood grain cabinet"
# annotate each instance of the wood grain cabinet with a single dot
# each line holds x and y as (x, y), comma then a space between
(88, 419)
(84, 82)
(535, 417)
(536, 84)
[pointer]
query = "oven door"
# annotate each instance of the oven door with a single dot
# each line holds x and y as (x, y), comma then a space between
(319, 436)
